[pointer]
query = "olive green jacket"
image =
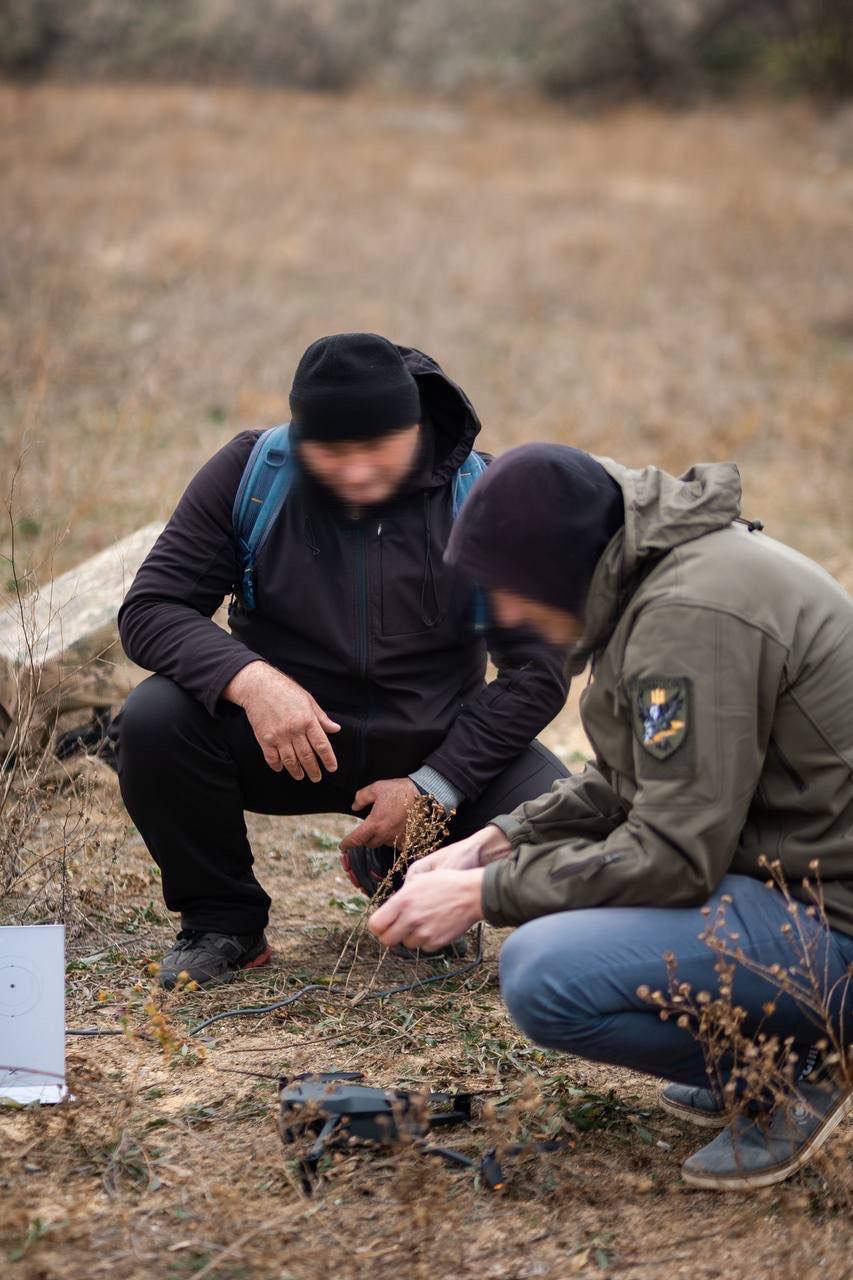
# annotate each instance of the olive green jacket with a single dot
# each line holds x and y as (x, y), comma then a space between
(720, 712)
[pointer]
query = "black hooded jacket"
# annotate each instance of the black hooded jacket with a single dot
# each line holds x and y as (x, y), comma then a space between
(359, 608)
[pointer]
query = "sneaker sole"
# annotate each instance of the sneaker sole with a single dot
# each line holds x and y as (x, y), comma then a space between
(702, 1119)
(769, 1177)
(262, 959)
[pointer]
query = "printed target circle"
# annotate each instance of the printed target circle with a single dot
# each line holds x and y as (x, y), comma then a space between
(20, 987)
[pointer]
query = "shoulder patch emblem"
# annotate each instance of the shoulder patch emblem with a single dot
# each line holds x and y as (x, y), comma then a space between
(661, 713)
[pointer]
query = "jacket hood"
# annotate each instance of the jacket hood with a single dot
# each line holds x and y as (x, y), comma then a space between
(661, 512)
(447, 409)
(664, 511)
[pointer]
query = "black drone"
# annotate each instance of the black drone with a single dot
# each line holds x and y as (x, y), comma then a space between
(339, 1112)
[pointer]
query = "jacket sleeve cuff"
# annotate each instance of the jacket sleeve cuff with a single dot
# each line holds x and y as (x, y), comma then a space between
(226, 673)
(517, 832)
(446, 766)
(432, 783)
(495, 910)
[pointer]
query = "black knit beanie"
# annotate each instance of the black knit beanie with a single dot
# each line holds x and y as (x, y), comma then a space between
(537, 523)
(352, 386)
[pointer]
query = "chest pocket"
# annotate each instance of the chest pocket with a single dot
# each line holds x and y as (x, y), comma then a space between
(414, 587)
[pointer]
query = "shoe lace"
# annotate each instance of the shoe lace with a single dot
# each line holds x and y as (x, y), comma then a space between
(187, 938)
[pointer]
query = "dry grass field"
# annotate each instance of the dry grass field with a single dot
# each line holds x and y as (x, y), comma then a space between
(667, 288)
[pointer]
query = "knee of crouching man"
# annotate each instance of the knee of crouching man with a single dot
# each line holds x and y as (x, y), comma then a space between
(546, 987)
(524, 983)
(152, 711)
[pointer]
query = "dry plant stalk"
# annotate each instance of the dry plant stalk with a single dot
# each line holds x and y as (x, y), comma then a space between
(427, 827)
(760, 1070)
(34, 869)
(156, 1006)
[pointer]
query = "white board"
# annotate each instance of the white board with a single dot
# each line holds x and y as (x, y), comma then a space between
(32, 1013)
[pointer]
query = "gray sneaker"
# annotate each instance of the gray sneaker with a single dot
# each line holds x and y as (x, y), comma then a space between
(698, 1106)
(207, 958)
(759, 1152)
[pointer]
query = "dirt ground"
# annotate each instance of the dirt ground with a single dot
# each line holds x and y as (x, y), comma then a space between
(169, 1164)
(667, 288)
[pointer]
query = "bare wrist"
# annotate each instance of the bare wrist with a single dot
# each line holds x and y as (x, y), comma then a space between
(493, 845)
(240, 686)
(477, 893)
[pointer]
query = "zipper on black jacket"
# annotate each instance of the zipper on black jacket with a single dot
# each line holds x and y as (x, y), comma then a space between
(797, 779)
(574, 868)
(361, 608)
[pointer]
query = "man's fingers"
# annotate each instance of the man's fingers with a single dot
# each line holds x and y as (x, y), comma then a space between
(270, 748)
(370, 834)
(420, 865)
(397, 920)
(396, 930)
(306, 758)
(363, 798)
(384, 916)
(353, 839)
(322, 748)
(326, 722)
(291, 763)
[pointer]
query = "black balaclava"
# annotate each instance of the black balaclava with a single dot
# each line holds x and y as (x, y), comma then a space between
(537, 523)
(352, 386)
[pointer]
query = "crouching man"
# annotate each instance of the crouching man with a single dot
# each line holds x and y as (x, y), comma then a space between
(352, 676)
(721, 715)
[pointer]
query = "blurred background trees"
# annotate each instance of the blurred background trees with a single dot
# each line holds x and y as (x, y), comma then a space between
(604, 49)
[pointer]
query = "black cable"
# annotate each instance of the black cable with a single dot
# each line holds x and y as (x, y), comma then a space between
(259, 1010)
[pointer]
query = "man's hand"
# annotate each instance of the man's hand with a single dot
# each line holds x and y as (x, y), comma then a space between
(391, 799)
(478, 850)
(430, 911)
(289, 725)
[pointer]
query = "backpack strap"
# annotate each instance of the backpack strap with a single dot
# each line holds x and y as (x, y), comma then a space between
(465, 478)
(463, 482)
(261, 494)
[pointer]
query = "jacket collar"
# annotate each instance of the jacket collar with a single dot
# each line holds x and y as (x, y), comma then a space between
(661, 512)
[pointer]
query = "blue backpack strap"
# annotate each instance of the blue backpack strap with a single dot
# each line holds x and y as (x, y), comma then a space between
(465, 479)
(261, 494)
(463, 482)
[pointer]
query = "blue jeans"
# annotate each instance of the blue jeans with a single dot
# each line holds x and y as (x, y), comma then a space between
(570, 980)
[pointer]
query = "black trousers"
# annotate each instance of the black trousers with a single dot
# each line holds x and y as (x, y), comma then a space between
(187, 779)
